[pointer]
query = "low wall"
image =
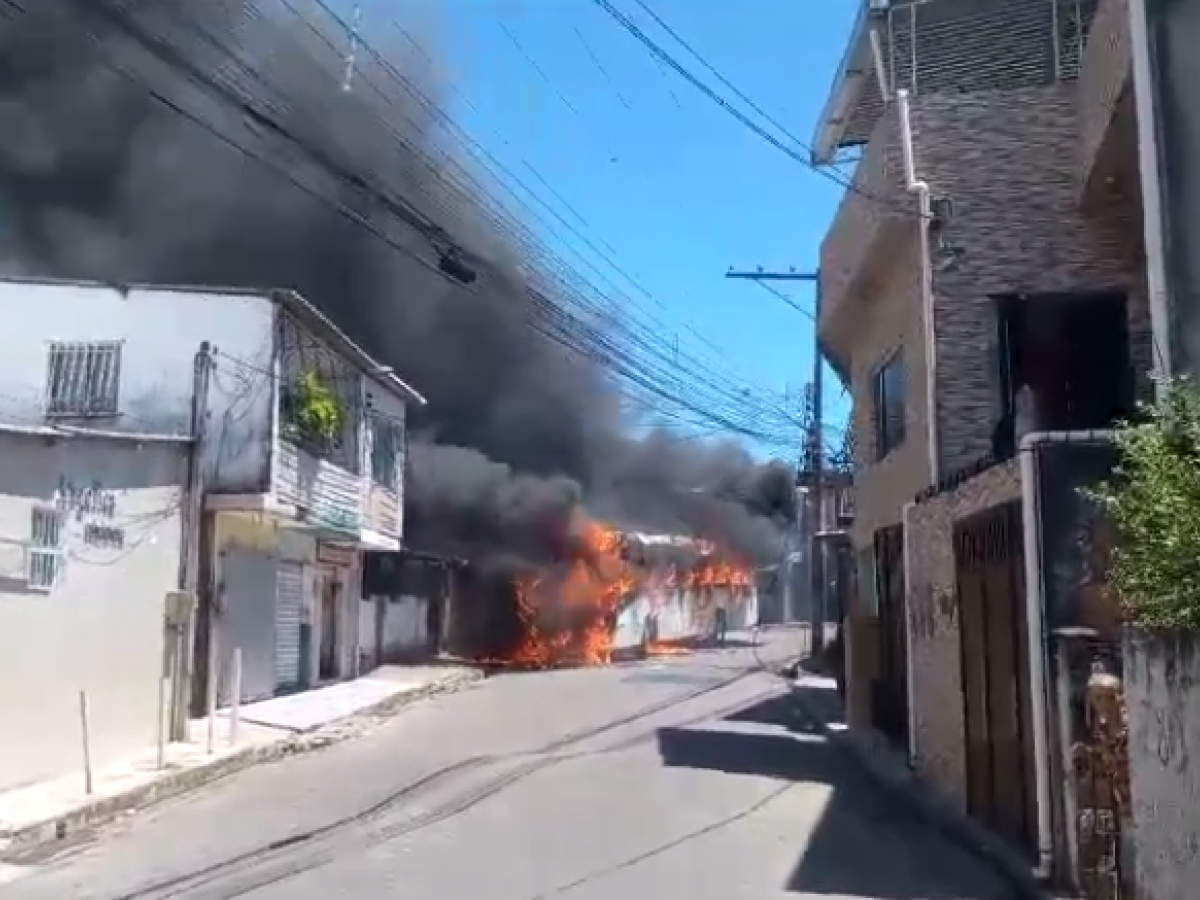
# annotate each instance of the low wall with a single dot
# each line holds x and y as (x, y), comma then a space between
(392, 628)
(933, 623)
(1162, 683)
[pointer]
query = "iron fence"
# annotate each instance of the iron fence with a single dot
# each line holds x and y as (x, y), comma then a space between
(1098, 769)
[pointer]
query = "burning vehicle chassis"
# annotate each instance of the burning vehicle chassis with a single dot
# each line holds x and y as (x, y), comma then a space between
(610, 593)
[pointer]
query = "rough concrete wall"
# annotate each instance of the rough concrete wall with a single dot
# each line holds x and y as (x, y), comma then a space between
(862, 667)
(934, 628)
(867, 214)
(892, 321)
(1102, 78)
(1006, 160)
(1162, 691)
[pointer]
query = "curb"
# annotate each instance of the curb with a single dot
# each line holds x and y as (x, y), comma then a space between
(906, 787)
(15, 842)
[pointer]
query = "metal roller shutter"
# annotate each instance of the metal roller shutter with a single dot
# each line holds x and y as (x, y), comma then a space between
(289, 602)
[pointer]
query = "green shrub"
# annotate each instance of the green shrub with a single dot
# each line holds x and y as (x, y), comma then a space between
(1153, 501)
(314, 410)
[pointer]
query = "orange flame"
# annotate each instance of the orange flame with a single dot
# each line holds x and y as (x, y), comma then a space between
(590, 594)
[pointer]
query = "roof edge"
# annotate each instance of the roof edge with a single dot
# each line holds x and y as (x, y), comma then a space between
(288, 297)
(852, 72)
(382, 374)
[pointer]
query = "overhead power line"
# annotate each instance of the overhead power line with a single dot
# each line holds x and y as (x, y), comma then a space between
(800, 153)
(569, 331)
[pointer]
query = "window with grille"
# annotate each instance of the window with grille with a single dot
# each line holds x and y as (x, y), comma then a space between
(385, 451)
(83, 379)
(45, 548)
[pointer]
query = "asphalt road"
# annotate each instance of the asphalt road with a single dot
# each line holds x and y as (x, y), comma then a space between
(684, 778)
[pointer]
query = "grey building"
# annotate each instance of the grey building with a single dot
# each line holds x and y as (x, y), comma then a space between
(981, 235)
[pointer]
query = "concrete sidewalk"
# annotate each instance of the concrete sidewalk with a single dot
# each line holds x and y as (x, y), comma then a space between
(887, 766)
(55, 810)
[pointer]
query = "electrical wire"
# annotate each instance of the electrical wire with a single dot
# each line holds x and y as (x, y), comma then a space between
(565, 329)
(741, 398)
(796, 155)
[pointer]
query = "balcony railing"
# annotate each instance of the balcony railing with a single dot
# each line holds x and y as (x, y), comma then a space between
(1103, 77)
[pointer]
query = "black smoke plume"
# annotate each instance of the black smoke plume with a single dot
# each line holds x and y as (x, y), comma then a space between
(214, 142)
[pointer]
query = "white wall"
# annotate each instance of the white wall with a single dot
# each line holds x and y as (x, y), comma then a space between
(100, 628)
(384, 503)
(162, 330)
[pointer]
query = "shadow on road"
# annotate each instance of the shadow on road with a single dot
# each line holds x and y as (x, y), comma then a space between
(865, 845)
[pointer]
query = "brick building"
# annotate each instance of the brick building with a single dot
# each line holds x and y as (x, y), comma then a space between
(957, 328)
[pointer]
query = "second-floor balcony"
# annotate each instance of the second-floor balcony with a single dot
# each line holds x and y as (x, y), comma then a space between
(874, 205)
(340, 440)
(1105, 92)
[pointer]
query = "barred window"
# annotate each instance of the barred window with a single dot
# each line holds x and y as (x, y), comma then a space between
(82, 379)
(386, 439)
(45, 548)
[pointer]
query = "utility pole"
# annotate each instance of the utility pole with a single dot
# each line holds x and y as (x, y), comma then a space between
(816, 442)
(193, 512)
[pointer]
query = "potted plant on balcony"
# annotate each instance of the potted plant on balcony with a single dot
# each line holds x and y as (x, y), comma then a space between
(313, 414)
(1153, 502)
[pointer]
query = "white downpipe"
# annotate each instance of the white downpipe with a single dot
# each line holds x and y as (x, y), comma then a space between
(1035, 627)
(908, 641)
(1150, 168)
(921, 190)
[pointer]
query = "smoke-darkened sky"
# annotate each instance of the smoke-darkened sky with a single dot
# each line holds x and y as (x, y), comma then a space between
(139, 145)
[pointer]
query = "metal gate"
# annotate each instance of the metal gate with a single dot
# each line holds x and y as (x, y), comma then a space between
(289, 605)
(248, 581)
(1099, 766)
(995, 672)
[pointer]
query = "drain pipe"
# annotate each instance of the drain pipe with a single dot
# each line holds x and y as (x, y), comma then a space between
(1150, 167)
(924, 208)
(910, 688)
(1035, 595)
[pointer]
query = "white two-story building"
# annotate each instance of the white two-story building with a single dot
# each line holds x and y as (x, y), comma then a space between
(302, 450)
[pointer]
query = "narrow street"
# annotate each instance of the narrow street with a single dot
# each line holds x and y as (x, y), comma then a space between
(689, 777)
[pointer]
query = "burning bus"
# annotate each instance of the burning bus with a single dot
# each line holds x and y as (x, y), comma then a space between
(598, 598)
(679, 583)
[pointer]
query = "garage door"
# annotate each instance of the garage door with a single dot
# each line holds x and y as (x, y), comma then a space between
(289, 601)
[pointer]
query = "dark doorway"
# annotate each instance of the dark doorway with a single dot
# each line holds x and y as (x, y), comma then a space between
(331, 591)
(995, 672)
(1069, 355)
(890, 693)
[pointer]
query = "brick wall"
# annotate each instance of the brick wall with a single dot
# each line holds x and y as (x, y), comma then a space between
(1007, 161)
(933, 624)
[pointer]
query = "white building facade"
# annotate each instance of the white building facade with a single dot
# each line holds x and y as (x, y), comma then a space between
(91, 530)
(301, 448)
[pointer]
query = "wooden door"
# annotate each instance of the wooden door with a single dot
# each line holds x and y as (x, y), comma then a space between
(995, 672)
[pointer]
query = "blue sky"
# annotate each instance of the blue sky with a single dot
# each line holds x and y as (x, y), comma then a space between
(651, 168)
